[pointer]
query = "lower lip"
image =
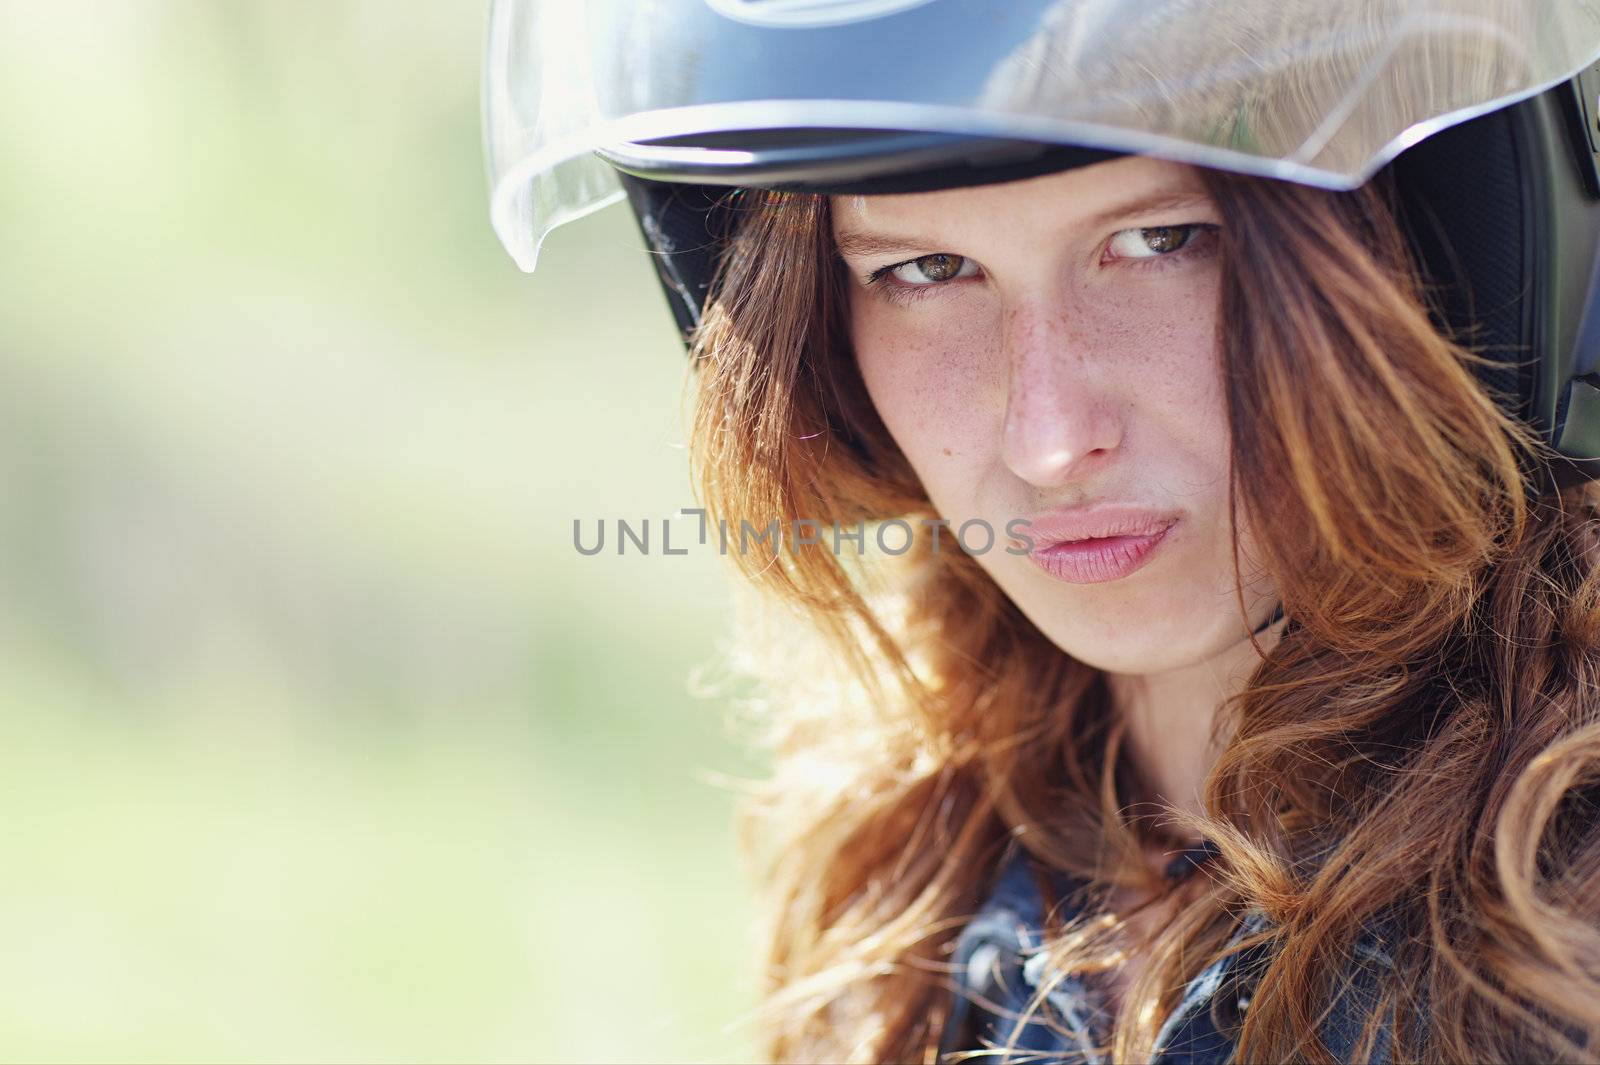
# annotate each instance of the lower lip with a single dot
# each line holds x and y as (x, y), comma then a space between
(1098, 561)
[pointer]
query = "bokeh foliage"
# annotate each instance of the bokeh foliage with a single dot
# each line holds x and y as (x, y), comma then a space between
(318, 740)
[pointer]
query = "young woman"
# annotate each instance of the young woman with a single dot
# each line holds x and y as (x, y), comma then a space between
(1237, 694)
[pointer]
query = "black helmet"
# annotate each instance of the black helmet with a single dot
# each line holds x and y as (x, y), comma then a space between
(1487, 113)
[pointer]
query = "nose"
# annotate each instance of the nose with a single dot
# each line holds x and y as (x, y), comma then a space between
(1062, 418)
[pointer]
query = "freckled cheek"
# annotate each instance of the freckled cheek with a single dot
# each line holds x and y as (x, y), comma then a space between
(1161, 344)
(1190, 387)
(1181, 396)
(927, 381)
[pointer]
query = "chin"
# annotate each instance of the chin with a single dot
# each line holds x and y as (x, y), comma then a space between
(1152, 642)
(1149, 623)
(1133, 657)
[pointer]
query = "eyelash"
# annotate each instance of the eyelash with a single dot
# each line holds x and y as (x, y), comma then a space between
(883, 281)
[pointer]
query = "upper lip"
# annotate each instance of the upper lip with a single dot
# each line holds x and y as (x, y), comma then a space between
(1094, 521)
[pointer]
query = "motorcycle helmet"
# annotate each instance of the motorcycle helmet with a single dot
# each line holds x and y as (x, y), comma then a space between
(1486, 113)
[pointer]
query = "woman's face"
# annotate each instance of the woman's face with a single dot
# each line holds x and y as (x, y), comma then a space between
(1046, 350)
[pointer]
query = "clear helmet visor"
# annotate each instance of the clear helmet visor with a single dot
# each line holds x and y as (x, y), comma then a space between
(1323, 92)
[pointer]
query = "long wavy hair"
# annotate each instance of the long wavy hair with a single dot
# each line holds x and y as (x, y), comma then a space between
(1420, 751)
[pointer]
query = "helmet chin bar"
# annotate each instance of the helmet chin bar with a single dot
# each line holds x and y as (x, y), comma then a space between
(1502, 212)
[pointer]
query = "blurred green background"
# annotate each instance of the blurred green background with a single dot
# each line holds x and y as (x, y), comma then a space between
(318, 739)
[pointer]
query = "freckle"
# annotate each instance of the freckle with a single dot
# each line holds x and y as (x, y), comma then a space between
(946, 451)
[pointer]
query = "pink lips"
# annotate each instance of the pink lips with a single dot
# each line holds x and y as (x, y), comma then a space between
(1098, 543)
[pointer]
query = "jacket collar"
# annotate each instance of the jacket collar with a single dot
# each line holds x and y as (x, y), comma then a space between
(1000, 966)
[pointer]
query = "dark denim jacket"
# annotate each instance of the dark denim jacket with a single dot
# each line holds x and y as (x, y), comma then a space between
(999, 966)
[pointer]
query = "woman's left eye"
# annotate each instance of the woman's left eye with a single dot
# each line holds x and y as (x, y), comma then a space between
(1154, 241)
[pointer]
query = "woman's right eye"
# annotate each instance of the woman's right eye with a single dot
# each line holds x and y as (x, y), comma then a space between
(933, 269)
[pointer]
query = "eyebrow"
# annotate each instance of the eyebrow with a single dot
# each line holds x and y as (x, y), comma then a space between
(863, 244)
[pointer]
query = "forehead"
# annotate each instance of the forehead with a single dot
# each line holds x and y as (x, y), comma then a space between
(1061, 198)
